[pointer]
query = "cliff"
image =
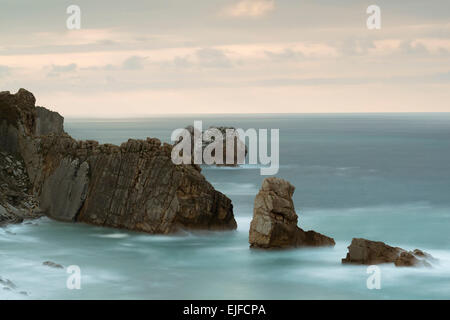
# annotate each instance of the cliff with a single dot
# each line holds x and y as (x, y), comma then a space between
(133, 186)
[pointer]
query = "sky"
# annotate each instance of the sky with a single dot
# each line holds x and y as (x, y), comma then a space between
(146, 57)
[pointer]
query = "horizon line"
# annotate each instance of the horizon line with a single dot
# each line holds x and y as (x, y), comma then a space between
(160, 115)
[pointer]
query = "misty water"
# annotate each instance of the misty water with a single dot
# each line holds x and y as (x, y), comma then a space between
(378, 176)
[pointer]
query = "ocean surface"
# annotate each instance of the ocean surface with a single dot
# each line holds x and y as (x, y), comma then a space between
(379, 176)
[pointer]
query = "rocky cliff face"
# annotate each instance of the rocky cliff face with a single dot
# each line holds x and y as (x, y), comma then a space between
(363, 251)
(134, 186)
(274, 223)
(48, 122)
(16, 201)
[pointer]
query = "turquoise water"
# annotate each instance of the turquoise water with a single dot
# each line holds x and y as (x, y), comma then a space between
(378, 176)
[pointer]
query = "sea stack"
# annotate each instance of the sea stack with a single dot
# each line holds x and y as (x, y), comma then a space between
(228, 134)
(133, 186)
(363, 251)
(274, 223)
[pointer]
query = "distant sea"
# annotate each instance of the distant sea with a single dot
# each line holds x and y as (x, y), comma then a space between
(382, 177)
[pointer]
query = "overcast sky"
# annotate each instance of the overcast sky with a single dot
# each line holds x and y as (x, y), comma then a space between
(141, 57)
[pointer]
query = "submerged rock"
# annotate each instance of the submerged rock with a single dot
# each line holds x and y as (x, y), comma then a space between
(274, 223)
(363, 251)
(8, 284)
(52, 264)
(134, 186)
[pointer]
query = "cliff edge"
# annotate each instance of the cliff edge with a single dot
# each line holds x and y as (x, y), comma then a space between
(133, 186)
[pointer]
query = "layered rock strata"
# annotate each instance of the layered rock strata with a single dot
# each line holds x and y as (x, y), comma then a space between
(274, 223)
(133, 186)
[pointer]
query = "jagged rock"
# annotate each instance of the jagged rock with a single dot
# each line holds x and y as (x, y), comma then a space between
(134, 186)
(274, 223)
(227, 133)
(139, 188)
(6, 217)
(16, 202)
(363, 251)
(52, 264)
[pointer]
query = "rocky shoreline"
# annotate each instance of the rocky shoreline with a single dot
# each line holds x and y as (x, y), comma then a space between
(136, 186)
(133, 186)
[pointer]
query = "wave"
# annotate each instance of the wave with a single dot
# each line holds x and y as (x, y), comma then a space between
(112, 235)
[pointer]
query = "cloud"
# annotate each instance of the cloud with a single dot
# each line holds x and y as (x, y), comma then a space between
(285, 55)
(134, 63)
(355, 46)
(212, 58)
(56, 70)
(131, 63)
(250, 8)
(413, 47)
(64, 68)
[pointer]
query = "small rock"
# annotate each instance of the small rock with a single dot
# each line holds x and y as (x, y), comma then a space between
(363, 251)
(52, 264)
(8, 283)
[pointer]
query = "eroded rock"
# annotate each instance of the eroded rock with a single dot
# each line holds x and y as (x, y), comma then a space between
(48, 122)
(134, 186)
(227, 134)
(363, 251)
(52, 264)
(274, 223)
(64, 191)
(16, 201)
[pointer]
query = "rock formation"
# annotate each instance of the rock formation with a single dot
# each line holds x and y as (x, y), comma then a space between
(133, 186)
(363, 251)
(16, 202)
(227, 133)
(52, 264)
(274, 223)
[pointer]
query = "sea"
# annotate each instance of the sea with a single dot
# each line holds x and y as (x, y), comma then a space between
(383, 177)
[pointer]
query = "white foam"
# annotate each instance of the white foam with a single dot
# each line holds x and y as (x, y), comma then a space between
(112, 235)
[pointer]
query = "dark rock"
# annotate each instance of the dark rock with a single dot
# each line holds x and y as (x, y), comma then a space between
(227, 133)
(16, 202)
(363, 251)
(48, 122)
(64, 191)
(274, 223)
(52, 264)
(134, 186)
